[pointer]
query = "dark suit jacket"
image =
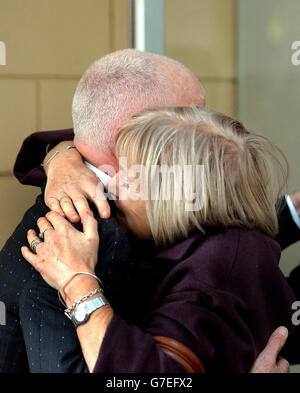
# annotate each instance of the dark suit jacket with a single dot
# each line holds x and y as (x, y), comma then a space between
(288, 234)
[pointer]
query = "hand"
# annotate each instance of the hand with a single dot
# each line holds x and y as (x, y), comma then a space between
(64, 250)
(267, 359)
(70, 184)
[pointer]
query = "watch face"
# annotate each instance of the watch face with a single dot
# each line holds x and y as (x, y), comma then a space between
(80, 312)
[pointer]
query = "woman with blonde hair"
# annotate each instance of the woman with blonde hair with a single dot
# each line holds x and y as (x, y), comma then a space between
(202, 190)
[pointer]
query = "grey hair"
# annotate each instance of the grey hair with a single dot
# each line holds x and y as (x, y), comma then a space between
(116, 87)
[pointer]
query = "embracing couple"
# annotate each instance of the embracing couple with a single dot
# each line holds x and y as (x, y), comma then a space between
(136, 283)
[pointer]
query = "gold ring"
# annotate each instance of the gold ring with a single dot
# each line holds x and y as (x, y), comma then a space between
(35, 242)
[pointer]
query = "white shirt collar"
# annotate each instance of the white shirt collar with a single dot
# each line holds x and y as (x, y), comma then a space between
(293, 211)
(103, 177)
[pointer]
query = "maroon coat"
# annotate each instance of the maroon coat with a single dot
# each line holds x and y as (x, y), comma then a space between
(223, 298)
(27, 168)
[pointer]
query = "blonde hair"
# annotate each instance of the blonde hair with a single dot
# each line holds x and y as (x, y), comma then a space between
(243, 173)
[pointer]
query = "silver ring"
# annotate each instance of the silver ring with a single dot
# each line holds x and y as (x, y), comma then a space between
(41, 234)
(35, 242)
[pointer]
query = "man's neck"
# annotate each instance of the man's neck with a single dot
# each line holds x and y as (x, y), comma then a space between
(101, 159)
(102, 176)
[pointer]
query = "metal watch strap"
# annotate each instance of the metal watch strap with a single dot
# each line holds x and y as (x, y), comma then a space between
(68, 311)
(88, 308)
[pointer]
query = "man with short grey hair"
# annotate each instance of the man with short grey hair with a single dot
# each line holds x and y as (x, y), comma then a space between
(37, 336)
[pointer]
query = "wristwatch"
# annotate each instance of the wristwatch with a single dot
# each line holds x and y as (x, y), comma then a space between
(83, 311)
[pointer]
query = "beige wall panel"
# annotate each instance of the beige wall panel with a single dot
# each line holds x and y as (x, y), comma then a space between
(295, 369)
(221, 96)
(121, 19)
(290, 258)
(202, 35)
(17, 117)
(53, 37)
(56, 104)
(15, 199)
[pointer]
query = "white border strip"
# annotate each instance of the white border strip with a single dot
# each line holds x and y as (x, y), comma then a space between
(140, 25)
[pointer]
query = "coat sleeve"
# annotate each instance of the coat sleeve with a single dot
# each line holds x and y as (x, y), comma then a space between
(222, 302)
(27, 168)
(129, 349)
(288, 233)
(219, 338)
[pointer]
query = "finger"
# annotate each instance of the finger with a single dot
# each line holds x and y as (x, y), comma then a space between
(276, 341)
(44, 226)
(58, 222)
(67, 206)
(31, 235)
(90, 227)
(103, 208)
(82, 207)
(100, 201)
(283, 366)
(54, 205)
(30, 256)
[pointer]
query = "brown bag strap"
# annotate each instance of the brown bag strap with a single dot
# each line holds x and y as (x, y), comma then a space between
(181, 354)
